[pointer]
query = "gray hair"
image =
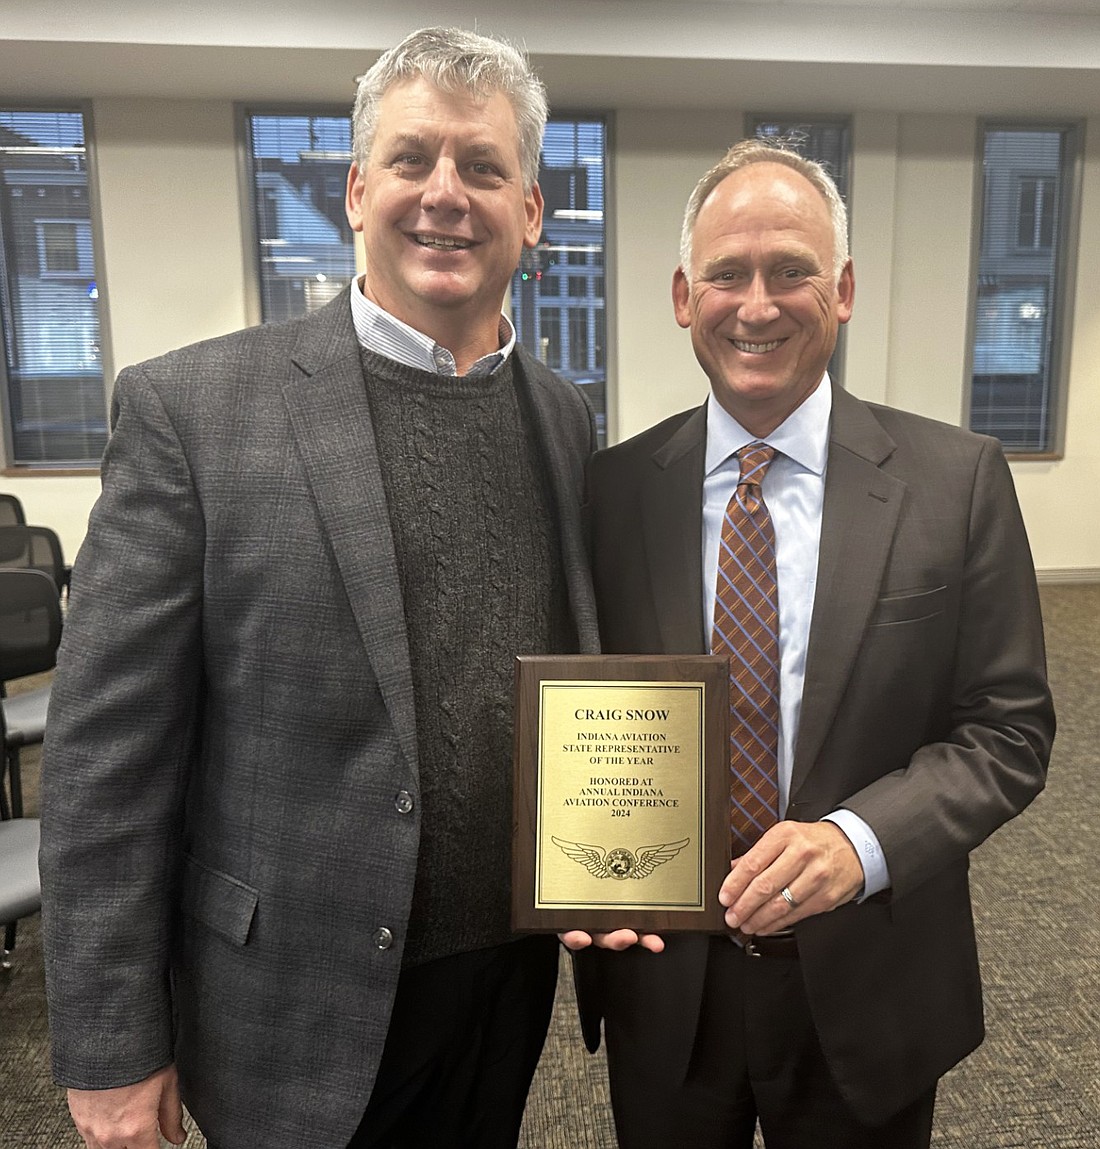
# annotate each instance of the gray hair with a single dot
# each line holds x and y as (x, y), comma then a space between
(454, 60)
(766, 151)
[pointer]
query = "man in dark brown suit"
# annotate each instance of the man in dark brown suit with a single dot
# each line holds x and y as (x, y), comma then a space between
(915, 716)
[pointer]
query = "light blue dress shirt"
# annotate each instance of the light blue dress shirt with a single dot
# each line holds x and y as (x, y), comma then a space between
(794, 490)
(384, 334)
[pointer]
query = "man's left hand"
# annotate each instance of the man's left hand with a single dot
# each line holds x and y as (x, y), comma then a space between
(813, 861)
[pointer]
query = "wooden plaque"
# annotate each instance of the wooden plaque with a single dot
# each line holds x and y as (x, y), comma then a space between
(621, 798)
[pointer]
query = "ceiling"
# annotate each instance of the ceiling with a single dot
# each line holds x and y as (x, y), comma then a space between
(1079, 7)
(1008, 57)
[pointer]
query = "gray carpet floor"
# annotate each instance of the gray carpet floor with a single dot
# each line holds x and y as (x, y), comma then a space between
(1034, 1084)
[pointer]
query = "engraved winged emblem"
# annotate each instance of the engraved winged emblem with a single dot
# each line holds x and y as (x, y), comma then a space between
(620, 863)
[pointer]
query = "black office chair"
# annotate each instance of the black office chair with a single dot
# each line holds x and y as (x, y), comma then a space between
(38, 548)
(30, 631)
(11, 511)
(20, 890)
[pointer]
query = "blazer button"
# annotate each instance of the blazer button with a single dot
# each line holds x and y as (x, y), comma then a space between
(383, 939)
(403, 802)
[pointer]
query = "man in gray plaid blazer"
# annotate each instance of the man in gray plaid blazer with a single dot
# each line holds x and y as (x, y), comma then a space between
(276, 789)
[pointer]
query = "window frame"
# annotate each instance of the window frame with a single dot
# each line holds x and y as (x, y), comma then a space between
(1063, 294)
(8, 467)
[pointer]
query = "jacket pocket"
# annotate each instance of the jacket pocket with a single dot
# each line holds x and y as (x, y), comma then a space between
(219, 901)
(908, 606)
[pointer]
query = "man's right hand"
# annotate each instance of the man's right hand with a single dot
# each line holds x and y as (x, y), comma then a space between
(131, 1116)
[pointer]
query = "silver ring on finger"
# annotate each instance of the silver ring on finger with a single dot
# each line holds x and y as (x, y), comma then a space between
(789, 898)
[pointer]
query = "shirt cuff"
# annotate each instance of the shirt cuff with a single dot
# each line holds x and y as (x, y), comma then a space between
(876, 876)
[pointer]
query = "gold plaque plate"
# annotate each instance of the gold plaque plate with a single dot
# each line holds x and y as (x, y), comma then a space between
(621, 792)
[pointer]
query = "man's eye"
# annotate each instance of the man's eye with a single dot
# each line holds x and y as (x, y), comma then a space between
(409, 160)
(483, 169)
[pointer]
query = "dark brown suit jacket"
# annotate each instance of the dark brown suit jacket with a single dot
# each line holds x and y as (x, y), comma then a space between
(925, 711)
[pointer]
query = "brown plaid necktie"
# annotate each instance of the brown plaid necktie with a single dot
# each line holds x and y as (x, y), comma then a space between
(746, 627)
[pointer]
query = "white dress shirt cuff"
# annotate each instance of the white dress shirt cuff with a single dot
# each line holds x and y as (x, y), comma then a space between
(876, 877)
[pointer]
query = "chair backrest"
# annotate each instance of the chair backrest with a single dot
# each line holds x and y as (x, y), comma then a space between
(11, 511)
(20, 887)
(30, 623)
(37, 548)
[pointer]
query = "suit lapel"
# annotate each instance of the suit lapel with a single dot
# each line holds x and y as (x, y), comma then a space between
(672, 526)
(859, 517)
(331, 422)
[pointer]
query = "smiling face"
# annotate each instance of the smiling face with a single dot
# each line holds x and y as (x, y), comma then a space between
(443, 212)
(764, 304)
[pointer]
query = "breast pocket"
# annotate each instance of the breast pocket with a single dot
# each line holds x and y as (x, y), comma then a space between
(909, 606)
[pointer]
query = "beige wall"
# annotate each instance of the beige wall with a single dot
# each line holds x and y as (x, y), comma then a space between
(169, 201)
(167, 173)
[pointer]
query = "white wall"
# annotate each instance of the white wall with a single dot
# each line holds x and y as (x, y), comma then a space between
(171, 219)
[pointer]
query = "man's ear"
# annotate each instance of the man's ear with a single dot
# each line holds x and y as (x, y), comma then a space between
(681, 297)
(846, 293)
(533, 206)
(353, 200)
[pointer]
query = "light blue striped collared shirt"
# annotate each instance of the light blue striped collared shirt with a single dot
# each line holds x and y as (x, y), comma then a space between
(794, 490)
(379, 331)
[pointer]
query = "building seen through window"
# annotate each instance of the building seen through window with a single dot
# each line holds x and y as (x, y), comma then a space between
(558, 302)
(305, 252)
(53, 395)
(1020, 308)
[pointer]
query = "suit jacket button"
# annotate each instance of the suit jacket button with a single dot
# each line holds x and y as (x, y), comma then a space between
(403, 802)
(383, 939)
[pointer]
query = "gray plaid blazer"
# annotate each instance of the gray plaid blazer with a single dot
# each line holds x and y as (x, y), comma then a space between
(232, 719)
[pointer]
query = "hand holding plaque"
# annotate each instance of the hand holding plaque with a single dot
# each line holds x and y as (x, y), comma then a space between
(621, 792)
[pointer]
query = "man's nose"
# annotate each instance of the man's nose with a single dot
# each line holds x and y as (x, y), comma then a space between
(444, 190)
(757, 306)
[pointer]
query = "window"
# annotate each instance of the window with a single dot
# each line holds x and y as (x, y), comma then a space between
(829, 142)
(1020, 313)
(548, 335)
(567, 266)
(65, 248)
(298, 166)
(51, 372)
(297, 171)
(1035, 212)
